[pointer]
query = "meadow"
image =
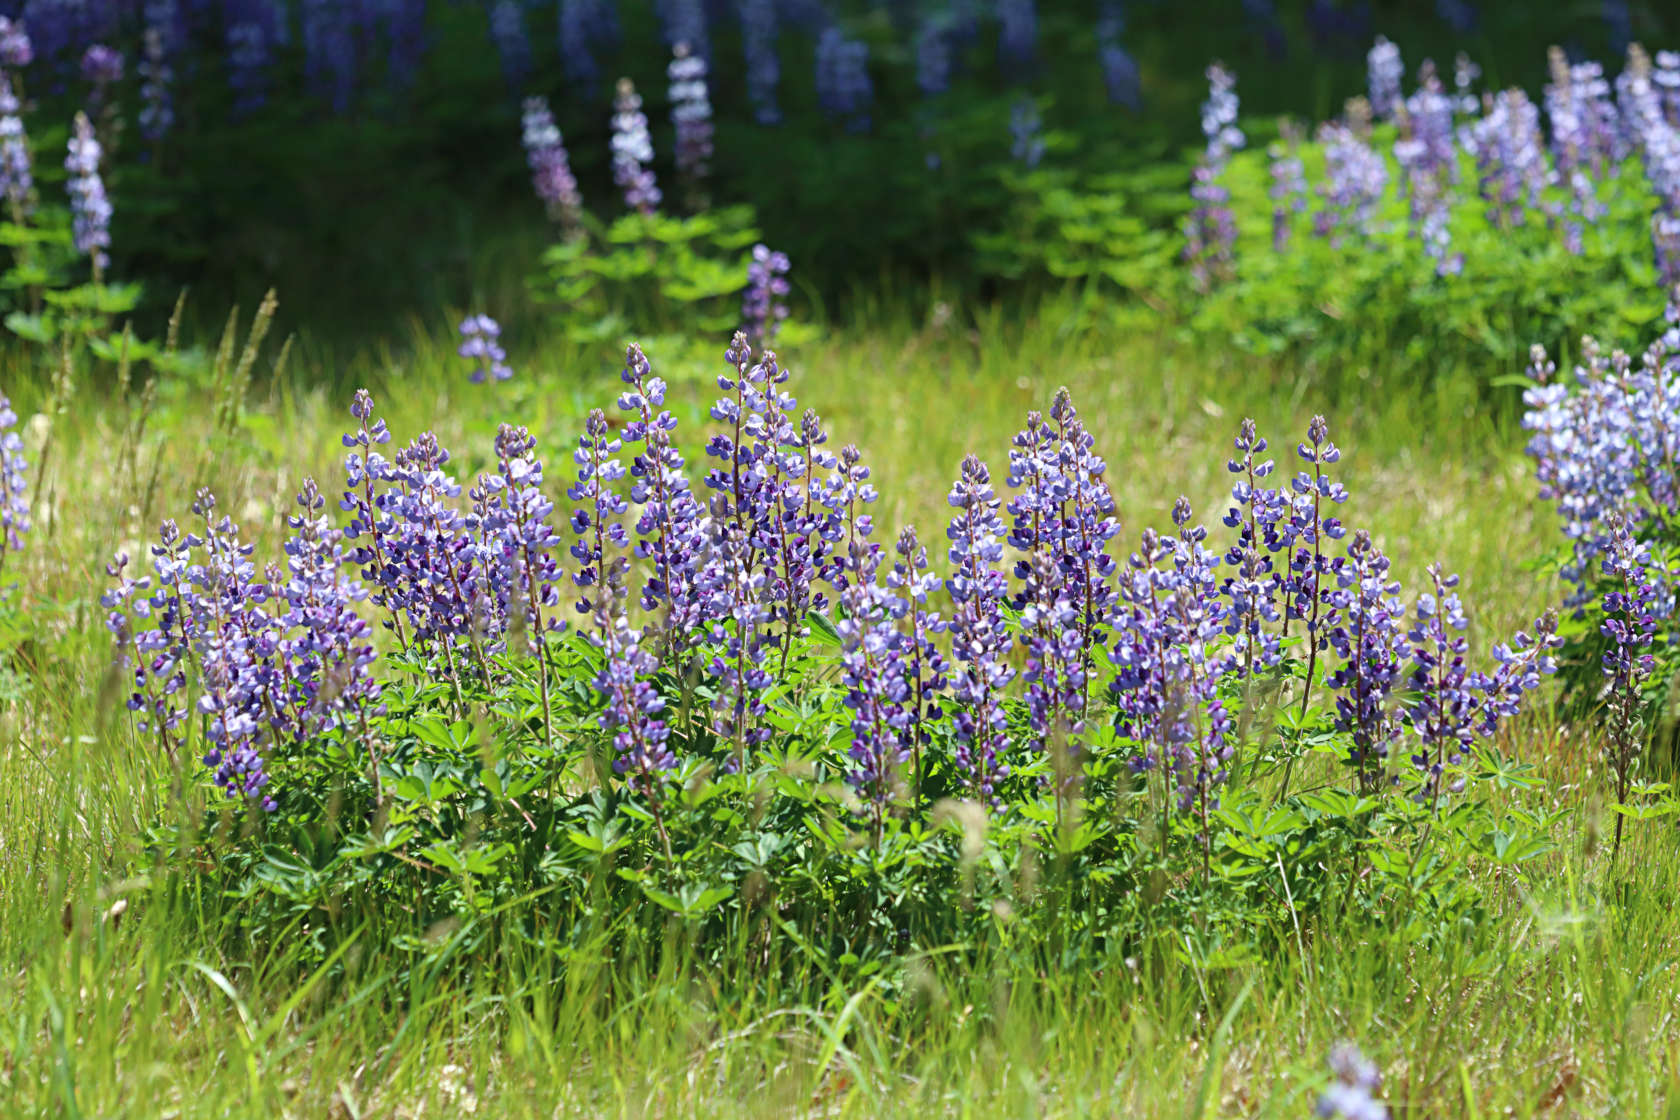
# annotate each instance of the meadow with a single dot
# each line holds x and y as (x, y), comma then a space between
(549, 714)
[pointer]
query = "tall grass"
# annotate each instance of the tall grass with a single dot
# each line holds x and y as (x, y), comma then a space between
(124, 992)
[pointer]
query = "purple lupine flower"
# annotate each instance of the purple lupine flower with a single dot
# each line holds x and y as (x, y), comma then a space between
(1088, 523)
(16, 51)
(763, 66)
(1055, 671)
(17, 176)
(1259, 516)
(1017, 34)
(438, 584)
(1351, 1095)
(369, 497)
(157, 106)
(1465, 75)
(1288, 190)
(236, 642)
(102, 66)
(979, 632)
(1511, 163)
(764, 303)
(154, 633)
(847, 492)
(328, 648)
(1425, 153)
(1370, 639)
(597, 523)
(632, 151)
(1167, 666)
(1666, 79)
(734, 591)
(480, 345)
(912, 582)
(1385, 71)
(691, 114)
(872, 668)
(791, 520)
(551, 170)
(518, 533)
(1310, 523)
(14, 484)
(1605, 448)
(90, 209)
(1211, 229)
(1449, 693)
(1026, 131)
(635, 710)
(1062, 521)
(1631, 609)
(1355, 178)
(1522, 664)
(513, 46)
(843, 84)
(670, 528)
(1587, 138)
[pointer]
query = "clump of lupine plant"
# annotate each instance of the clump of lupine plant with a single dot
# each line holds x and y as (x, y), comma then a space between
(1606, 447)
(551, 170)
(764, 303)
(1352, 1096)
(632, 151)
(691, 114)
(90, 209)
(481, 345)
(776, 642)
(1211, 228)
(14, 484)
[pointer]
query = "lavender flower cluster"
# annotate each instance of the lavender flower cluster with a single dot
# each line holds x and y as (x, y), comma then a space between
(1001, 664)
(1605, 444)
(1546, 165)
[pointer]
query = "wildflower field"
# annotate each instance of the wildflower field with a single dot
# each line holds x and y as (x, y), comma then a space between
(818, 559)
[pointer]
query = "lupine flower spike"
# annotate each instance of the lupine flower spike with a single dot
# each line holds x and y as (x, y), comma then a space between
(480, 344)
(90, 209)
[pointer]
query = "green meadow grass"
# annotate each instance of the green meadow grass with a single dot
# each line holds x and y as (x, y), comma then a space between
(124, 992)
